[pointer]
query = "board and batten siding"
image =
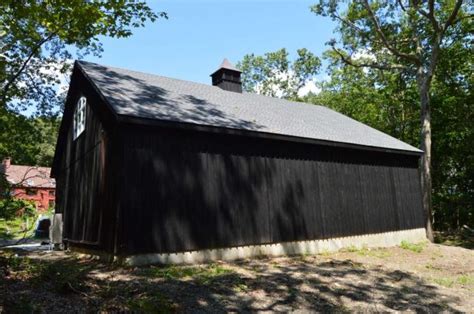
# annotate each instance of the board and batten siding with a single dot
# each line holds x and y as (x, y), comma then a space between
(179, 190)
(82, 197)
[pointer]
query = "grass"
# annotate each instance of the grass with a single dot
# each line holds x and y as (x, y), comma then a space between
(365, 251)
(154, 303)
(16, 228)
(414, 247)
(351, 249)
(203, 274)
(63, 277)
(448, 282)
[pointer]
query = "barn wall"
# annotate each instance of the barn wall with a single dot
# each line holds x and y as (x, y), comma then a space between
(182, 190)
(81, 172)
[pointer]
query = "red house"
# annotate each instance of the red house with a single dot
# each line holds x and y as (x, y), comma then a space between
(31, 183)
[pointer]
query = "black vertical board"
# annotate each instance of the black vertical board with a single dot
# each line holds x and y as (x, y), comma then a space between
(313, 184)
(395, 200)
(282, 227)
(329, 199)
(411, 193)
(227, 206)
(353, 201)
(416, 201)
(404, 192)
(270, 187)
(365, 190)
(261, 208)
(308, 181)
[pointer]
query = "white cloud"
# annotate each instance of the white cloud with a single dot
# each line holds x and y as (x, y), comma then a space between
(364, 54)
(310, 87)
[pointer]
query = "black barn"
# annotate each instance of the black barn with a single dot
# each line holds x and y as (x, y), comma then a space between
(147, 165)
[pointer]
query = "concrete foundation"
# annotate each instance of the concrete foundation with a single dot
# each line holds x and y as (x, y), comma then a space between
(385, 239)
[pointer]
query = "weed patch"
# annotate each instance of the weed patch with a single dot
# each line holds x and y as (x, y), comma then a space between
(414, 247)
(203, 274)
(365, 251)
(448, 282)
(154, 303)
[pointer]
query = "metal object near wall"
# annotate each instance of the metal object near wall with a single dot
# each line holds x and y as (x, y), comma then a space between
(56, 231)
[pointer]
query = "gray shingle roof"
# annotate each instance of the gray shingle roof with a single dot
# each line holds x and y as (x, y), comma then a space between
(144, 95)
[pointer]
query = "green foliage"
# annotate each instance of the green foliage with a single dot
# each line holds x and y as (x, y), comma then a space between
(453, 138)
(394, 35)
(38, 38)
(28, 140)
(463, 239)
(17, 227)
(10, 207)
(273, 74)
(386, 102)
(414, 247)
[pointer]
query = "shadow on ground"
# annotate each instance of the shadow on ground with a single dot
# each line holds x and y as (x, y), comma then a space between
(69, 284)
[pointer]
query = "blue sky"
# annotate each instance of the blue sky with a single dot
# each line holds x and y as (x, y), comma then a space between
(200, 33)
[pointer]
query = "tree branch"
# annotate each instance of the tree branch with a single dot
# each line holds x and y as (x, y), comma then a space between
(349, 23)
(378, 29)
(438, 38)
(24, 64)
(430, 15)
(401, 5)
(453, 15)
(468, 16)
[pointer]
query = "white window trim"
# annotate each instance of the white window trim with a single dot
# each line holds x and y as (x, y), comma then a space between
(79, 119)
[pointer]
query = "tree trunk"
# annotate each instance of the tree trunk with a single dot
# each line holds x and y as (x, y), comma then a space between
(426, 182)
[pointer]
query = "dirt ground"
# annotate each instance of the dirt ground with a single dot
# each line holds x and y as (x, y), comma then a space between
(426, 278)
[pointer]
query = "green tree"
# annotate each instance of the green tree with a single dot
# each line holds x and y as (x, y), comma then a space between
(273, 74)
(406, 37)
(38, 37)
(28, 140)
(37, 41)
(10, 207)
(453, 137)
(385, 101)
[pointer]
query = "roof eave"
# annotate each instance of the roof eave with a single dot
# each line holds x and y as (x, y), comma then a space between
(126, 119)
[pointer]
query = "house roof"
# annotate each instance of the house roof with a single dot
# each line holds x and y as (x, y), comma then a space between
(149, 96)
(28, 176)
